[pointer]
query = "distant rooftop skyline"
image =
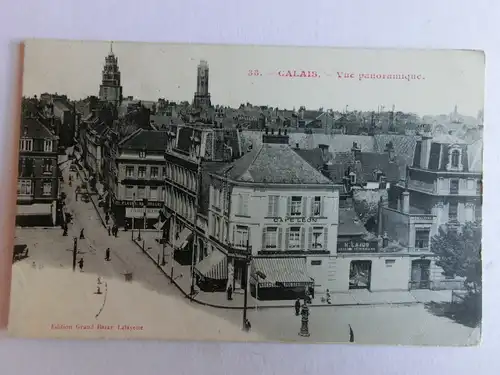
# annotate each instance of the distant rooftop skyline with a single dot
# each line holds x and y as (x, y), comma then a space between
(152, 71)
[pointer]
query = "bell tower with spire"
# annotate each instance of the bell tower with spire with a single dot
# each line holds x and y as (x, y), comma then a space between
(202, 95)
(111, 90)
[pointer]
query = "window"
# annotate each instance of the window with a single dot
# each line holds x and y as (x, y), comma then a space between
(453, 211)
(129, 171)
(155, 172)
(422, 239)
(24, 187)
(141, 192)
(455, 159)
(352, 177)
(47, 188)
(470, 184)
(164, 172)
(129, 192)
(217, 227)
(479, 187)
(47, 166)
(142, 172)
(153, 193)
(317, 238)
(296, 206)
(26, 145)
(315, 262)
(454, 186)
(272, 207)
(389, 262)
(270, 238)
(241, 236)
(47, 145)
(478, 212)
(294, 238)
(316, 206)
(142, 154)
(243, 205)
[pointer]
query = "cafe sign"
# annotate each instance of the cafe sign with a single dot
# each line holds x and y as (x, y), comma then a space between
(357, 246)
(295, 219)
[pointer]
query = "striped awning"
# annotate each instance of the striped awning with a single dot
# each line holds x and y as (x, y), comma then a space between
(280, 272)
(183, 238)
(214, 266)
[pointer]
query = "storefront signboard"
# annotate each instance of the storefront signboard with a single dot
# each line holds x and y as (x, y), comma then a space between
(357, 246)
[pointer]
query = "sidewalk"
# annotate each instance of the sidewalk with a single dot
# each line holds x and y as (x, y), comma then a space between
(182, 279)
(180, 276)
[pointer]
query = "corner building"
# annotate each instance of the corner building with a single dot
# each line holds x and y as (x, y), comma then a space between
(275, 215)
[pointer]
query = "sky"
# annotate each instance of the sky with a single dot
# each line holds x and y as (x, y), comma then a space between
(151, 71)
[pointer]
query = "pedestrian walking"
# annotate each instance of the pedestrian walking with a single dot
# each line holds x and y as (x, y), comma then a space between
(80, 264)
(106, 218)
(115, 228)
(297, 307)
(229, 292)
(248, 325)
(108, 253)
(109, 230)
(82, 236)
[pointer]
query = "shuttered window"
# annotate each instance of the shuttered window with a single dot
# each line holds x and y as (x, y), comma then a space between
(272, 208)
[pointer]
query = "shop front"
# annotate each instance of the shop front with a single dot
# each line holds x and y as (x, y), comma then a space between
(36, 214)
(279, 278)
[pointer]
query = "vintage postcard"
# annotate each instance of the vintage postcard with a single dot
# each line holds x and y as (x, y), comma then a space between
(246, 193)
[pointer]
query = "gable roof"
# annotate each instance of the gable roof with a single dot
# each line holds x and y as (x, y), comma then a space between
(274, 163)
(33, 128)
(371, 162)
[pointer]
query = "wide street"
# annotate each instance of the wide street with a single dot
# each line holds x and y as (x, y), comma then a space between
(48, 249)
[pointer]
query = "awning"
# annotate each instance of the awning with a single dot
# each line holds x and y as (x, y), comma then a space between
(281, 272)
(214, 266)
(162, 220)
(183, 239)
(34, 209)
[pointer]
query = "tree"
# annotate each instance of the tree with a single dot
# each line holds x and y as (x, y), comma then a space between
(459, 254)
(366, 205)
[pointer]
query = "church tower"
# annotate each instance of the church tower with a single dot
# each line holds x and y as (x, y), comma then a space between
(202, 96)
(111, 90)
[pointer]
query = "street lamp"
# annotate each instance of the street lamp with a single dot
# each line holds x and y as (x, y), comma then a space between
(304, 327)
(248, 259)
(133, 215)
(144, 203)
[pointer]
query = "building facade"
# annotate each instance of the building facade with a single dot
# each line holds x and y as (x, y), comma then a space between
(271, 214)
(136, 179)
(38, 175)
(193, 152)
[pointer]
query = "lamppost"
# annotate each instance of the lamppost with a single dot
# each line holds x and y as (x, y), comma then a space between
(248, 260)
(133, 215)
(144, 203)
(304, 328)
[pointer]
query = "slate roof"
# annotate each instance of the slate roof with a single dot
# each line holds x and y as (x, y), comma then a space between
(274, 163)
(349, 223)
(371, 161)
(475, 156)
(32, 128)
(152, 140)
(313, 157)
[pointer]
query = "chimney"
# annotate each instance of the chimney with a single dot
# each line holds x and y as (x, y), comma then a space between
(380, 221)
(356, 150)
(389, 148)
(324, 151)
(406, 202)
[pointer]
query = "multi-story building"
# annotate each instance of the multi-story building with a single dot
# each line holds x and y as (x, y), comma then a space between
(192, 153)
(94, 133)
(443, 188)
(275, 207)
(38, 175)
(136, 178)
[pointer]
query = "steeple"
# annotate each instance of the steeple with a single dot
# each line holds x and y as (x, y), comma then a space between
(202, 94)
(111, 89)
